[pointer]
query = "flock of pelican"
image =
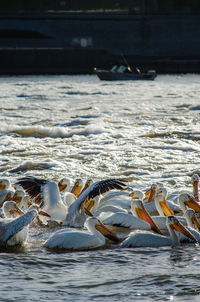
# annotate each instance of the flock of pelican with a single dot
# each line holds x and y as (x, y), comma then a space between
(97, 214)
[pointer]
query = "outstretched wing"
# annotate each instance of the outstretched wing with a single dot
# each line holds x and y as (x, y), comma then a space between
(97, 188)
(103, 186)
(33, 187)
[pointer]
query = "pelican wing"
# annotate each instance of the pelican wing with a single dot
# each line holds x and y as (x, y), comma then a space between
(32, 186)
(121, 219)
(42, 190)
(97, 188)
(146, 240)
(10, 229)
(72, 240)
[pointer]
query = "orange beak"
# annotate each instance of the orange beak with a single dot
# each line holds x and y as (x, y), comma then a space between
(62, 186)
(196, 190)
(76, 188)
(196, 222)
(43, 213)
(17, 211)
(180, 228)
(17, 198)
(88, 183)
(144, 215)
(106, 232)
(166, 208)
(149, 195)
(191, 203)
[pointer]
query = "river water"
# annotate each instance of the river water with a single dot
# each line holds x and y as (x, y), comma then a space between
(77, 126)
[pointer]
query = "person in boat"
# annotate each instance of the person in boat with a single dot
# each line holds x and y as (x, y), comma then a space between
(125, 69)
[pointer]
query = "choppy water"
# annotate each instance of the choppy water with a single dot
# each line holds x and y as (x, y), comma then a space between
(77, 126)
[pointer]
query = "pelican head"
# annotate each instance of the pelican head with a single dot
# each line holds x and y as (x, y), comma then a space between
(138, 210)
(192, 219)
(18, 196)
(11, 209)
(77, 187)
(161, 204)
(179, 227)
(137, 194)
(87, 184)
(63, 184)
(9, 196)
(188, 200)
(94, 223)
(4, 183)
(149, 194)
(40, 212)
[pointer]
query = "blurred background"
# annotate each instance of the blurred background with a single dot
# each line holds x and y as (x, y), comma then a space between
(73, 37)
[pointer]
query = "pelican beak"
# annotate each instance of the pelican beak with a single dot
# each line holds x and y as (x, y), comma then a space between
(62, 186)
(89, 204)
(179, 227)
(196, 189)
(196, 222)
(144, 215)
(88, 183)
(16, 211)
(76, 188)
(191, 203)
(87, 212)
(43, 213)
(2, 186)
(106, 232)
(166, 208)
(8, 197)
(17, 198)
(132, 195)
(149, 195)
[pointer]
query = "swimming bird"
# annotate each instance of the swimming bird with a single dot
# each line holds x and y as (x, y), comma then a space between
(5, 195)
(187, 200)
(76, 214)
(47, 192)
(81, 240)
(138, 220)
(169, 206)
(147, 239)
(14, 231)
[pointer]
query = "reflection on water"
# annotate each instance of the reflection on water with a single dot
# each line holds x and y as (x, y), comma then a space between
(78, 126)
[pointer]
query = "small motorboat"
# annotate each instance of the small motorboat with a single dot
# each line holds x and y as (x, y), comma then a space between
(123, 73)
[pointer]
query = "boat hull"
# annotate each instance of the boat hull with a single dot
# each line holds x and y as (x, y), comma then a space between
(106, 75)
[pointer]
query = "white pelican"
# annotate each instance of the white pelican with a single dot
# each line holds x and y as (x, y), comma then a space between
(81, 240)
(192, 219)
(64, 184)
(161, 194)
(193, 226)
(164, 210)
(5, 195)
(150, 193)
(76, 214)
(14, 231)
(48, 193)
(195, 184)
(70, 196)
(138, 220)
(5, 184)
(187, 200)
(147, 239)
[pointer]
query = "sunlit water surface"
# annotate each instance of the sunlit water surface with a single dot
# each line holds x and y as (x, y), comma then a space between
(78, 126)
